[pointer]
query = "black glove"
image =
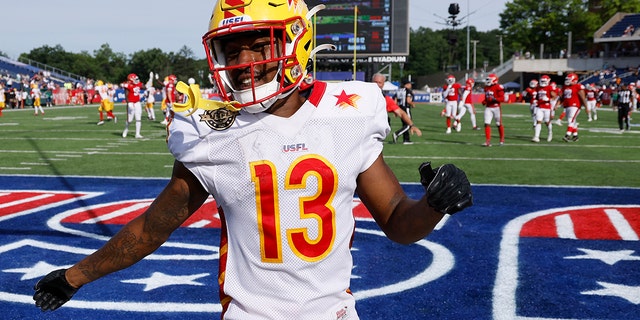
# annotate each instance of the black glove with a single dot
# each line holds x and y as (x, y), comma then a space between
(53, 291)
(448, 189)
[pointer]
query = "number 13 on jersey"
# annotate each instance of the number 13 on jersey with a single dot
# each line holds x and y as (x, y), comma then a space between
(317, 207)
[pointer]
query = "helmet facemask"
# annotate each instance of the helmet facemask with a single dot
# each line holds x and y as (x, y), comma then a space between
(274, 70)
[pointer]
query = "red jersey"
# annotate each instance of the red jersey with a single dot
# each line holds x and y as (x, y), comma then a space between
(570, 95)
(592, 93)
(170, 90)
(468, 99)
(543, 97)
(452, 92)
(531, 94)
(133, 91)
(493, 95)
(391, 104)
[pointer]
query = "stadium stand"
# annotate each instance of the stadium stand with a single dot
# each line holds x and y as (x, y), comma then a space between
(619, 28)
(14, 68)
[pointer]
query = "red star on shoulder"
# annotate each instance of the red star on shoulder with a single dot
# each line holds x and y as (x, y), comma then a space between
(345, 100)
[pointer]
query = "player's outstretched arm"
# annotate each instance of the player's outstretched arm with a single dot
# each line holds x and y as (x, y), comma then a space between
(182, 196)
(401, 218)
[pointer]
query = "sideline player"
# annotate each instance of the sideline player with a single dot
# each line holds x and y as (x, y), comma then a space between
(2, 98)
(35, 95)
(545, 95)
(530, 94)
(134, 107)
(392, 107)
(106, 105)
(169, 95)
(287, 222)
(466, 104)
(451, 96)
(493, 97)
(150, 98)
(573, 97)
(592, 94)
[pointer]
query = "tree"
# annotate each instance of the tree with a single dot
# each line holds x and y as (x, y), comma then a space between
(427, 53)
(144, 61)
(112, 67)
(530, 24)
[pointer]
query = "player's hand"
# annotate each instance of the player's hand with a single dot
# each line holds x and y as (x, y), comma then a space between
(448, 189)
(53, 291)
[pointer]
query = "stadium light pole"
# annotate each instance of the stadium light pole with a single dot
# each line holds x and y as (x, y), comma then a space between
(468, 35)
(355, 39)
(475, 42)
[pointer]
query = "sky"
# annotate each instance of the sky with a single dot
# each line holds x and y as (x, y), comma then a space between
(130, 26)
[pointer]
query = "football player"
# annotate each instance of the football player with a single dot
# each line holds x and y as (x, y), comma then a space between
(133, 86)
(451, 96)
(106, 105)
(287, 221)
(573, 97)
(545, 95)
(2, 98)
(530, 94)
(169, 95)
(35, 96)
(150, 98)
(466, 104)
(592, 94)
(493, 97)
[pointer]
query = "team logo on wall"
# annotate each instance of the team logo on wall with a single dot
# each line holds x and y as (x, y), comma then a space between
(219, 119)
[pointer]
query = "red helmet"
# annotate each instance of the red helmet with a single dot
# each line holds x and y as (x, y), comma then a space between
(133, 78)
(470, 82)
(571, 78)
(451, 79)
(172, 78)
(491, 79)
(533, 83)
(545, 80)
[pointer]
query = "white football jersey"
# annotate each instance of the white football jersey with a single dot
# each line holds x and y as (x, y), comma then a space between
(285, 188)
(103, 91)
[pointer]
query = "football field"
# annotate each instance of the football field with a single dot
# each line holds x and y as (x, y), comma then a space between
(553, 233)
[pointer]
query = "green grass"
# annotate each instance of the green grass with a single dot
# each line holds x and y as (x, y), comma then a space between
(67, 141)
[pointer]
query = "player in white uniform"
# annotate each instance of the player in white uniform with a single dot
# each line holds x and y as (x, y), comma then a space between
(106, 102)
(150, 98)
(466, 104)
(35, 95)
(2, 99)
(283, 166)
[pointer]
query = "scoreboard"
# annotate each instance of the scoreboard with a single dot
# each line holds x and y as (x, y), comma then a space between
(382, 27)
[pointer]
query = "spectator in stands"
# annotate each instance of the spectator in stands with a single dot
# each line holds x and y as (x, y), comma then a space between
(629, 31)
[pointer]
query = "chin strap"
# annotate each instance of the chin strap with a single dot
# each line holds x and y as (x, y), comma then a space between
(195, 101)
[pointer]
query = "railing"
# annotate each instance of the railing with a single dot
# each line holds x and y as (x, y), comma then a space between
(51, 69)
(503, 68)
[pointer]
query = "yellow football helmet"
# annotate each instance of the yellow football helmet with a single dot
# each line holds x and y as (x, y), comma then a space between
(99, 83)
(289, 26)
